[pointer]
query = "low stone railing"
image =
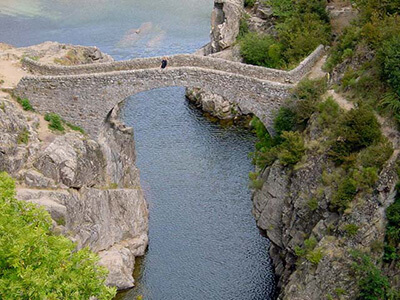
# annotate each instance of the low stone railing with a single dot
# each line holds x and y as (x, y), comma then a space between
(183, 60)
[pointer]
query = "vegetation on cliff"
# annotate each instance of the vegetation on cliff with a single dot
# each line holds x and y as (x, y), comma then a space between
(368, 52)
(300, 27)
(37, 264)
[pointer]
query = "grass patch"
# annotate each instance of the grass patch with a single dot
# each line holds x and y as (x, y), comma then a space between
(309, 251)
(55, 122)
(26, 105)
(350, 229)
(313, 204)
(23, 136)
(75, 127)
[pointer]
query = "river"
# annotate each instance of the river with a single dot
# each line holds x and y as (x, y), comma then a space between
(204, 243)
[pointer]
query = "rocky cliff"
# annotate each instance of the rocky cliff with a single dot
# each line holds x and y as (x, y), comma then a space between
(91, 188)
(312, 245)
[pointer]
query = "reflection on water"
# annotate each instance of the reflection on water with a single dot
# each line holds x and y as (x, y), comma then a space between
(204, 243)
(203, 240)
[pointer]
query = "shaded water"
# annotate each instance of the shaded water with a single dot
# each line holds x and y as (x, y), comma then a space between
(203, 240)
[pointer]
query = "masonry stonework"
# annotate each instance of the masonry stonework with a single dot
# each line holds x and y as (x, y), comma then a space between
(85, 94)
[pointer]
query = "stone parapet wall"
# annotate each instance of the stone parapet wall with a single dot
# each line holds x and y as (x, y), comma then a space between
(183, 60)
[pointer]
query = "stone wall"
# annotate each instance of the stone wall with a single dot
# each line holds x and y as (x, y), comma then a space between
(85, 100)
(183, 60)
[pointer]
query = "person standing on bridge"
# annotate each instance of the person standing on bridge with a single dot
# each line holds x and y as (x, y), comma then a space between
(164, 63)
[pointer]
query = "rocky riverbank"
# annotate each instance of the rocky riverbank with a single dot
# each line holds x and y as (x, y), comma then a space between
(90, 187)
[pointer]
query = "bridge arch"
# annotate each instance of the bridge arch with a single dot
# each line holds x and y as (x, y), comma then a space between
(86, 99)
(84, 95)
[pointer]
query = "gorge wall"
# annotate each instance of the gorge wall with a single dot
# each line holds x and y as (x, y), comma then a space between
(90, 187)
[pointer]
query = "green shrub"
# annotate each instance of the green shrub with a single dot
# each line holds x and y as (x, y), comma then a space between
(345, 193)
(376, 155)
(255, 182)
(373, 285)
(391, 102)
(266, 152)
(309, 252)
(360, 128)
(282, 8)
(285, 120)
(23, 136)
(34, 263)
(300, 252)
(249, 3)
(292, 148)
(315, 256)
(55, 122)
(357, 129)
(301, 34)
(347, 41)
(306, 95)
(75, 128)
(243, 27)
(392, 238)
(389, 55)
(26, 105)
(351, 229)
(313, 204)
(261, 50)
(329, 112)
(349, 78)
(366, 177)
(310, 243)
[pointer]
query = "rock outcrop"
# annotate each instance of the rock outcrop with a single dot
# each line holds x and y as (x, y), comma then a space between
(91, 188)
(282, 208)
(225, 20)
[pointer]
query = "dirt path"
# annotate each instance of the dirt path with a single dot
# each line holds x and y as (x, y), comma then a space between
(317, 72)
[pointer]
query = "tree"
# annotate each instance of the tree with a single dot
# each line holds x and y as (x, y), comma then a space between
(35, 263)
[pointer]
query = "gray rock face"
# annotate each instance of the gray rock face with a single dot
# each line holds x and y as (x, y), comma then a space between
(72, 161)
(90, 188)
(262, 19)
(116, 141)
(225, 23)
(282, 209)
(214, 104)
(13, 151)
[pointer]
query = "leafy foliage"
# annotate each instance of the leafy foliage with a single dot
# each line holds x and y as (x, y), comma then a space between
(351, 229)
(26, 105)
(55, 122)
(306, 95)
(357, 129)
(392, 239)
(34, 263)
(249, 3)
(261, 50)
(301, 34)
(285, 120)
(309, 252)
(372, 283)
(389, 56)
(292, 148)
(75, 128)
(301, 25)
(345, 193)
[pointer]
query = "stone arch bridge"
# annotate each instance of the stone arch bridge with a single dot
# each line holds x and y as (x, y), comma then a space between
(84, 95)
